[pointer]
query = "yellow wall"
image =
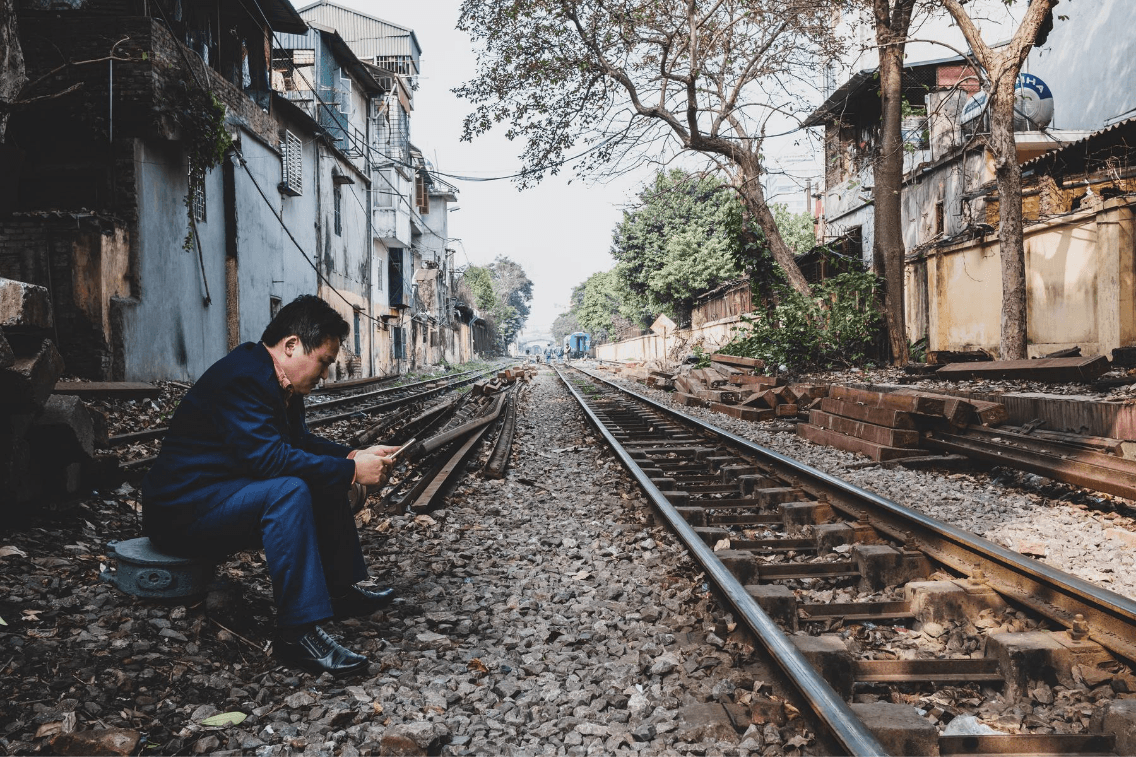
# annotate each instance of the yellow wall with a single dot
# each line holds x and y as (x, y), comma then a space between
(1080, 282)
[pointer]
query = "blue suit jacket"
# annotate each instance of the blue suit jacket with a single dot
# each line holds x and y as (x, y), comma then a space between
(232, 427)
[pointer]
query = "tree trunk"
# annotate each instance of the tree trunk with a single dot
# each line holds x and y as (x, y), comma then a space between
(12, 75)
(1011, 248)
(754, 199)
(887, 246)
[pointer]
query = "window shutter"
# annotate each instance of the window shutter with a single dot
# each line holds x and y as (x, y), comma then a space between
(293, 166)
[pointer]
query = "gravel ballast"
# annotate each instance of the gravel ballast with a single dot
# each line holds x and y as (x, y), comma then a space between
(1083, 533)
(545, 613)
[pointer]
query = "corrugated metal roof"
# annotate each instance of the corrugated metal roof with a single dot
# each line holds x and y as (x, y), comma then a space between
(368, 36)
(1075, 155)
(282, 17)
(842, 102)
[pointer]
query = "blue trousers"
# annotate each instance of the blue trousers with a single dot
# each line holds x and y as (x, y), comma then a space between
(309, 538)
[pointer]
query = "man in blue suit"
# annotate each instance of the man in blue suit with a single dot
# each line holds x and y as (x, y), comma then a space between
(239, 469)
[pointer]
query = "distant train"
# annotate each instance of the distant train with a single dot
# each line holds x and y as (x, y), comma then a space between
(577, 345)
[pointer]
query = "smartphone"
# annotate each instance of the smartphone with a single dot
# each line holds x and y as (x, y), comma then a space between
(395, 455)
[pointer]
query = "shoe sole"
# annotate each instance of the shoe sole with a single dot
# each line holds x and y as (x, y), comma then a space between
(311, 667)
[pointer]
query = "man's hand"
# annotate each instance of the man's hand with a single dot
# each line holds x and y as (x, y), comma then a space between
(381, 450)
(371, 469)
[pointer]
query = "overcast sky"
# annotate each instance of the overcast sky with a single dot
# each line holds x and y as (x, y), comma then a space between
(559, 232)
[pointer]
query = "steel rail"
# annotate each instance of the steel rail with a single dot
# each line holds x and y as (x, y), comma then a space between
(829, 706)
(157, 433)
(1050, 592)
(392, 390)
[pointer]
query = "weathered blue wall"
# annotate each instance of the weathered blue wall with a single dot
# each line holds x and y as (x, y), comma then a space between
(269, 263)
(170, 333)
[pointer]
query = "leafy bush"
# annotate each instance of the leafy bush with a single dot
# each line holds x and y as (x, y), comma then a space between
(833, 328)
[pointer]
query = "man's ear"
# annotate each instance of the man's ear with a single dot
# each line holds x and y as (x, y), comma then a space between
(290, 345)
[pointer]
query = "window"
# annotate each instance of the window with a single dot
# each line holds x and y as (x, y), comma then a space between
(398, 343)
(292, 166)
(421, 196)
(198, 201)
(939, 218)
(273, 307)
(385, 188)
(337, 196)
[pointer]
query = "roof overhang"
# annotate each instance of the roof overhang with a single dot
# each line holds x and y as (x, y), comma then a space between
(282, 16)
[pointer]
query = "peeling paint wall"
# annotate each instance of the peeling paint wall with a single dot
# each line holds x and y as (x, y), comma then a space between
(1080, 286)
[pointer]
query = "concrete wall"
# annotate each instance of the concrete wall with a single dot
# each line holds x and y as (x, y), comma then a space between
(1080, 286)
(168, 330)
(672, 347)
(268, 262)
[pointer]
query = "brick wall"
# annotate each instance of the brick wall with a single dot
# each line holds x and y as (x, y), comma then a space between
(47, 251)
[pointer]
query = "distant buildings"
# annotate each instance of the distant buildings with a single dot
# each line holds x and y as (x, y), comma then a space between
(321, 190)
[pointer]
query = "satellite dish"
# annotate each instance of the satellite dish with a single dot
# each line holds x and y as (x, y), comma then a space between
(1033, 108)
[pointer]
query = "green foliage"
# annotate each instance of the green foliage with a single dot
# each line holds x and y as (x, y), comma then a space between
(833, 328)
(701, 357)
(200, 117)
(502, 292)
(796, 228)
(683, 238)
(917, 350)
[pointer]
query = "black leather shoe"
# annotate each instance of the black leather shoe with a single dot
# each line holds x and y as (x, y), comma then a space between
(317, 653)
(359, 603)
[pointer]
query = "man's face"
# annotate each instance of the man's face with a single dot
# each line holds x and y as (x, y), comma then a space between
(305, 369)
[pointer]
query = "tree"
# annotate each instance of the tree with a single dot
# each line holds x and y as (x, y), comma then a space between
(892, 22)
(608, 308)
(639, 80)
(564, 325)
(502, 293)
(999, 69)
(12, 73)
(797, 229)
(682, 239)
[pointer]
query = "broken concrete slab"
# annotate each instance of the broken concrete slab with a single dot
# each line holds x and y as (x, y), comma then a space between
(27, 383)
(23, 306)
(1052, 370)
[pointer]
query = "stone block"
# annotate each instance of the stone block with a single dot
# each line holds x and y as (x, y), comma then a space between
(779, 602)
(709, 720)
(1118, 719)
(831, 535)
(741, 563)
(797, 514)
(27, 383)
(695, 516)
(65, 429)
(944, 601)
(1028, 656)
(24, 307)
(881, 566)
(899, 728)
(831, 658)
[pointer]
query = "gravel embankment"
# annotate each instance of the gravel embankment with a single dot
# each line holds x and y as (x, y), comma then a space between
(1084, 533)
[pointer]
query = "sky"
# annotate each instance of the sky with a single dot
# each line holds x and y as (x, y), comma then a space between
(559, 232)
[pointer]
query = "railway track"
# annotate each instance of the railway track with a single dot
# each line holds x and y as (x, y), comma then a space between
(859, 598)
(372, 401)
(361, 404)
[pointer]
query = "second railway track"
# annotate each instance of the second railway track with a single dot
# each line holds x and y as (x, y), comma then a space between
(831, 578)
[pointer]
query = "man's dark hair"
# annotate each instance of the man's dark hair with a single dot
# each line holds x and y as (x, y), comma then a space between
(309, 318)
